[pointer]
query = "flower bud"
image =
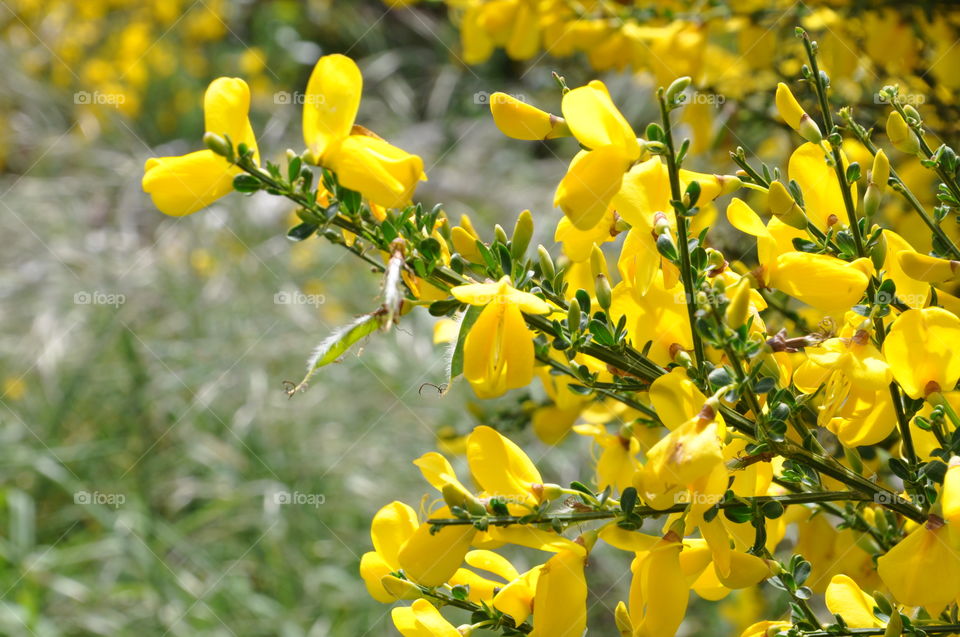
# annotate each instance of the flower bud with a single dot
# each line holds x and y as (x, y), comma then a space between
(520, 120)
(622, 617)
(728, 184)
(218, 144)
(794, 115)
(604, 293)
(677, 87)
(499, 234)
(880, 173)
(547, 269)
(878, 254)
(400, 588)
(871, 200)
(522, 233)
(783, 206)
(900, 134)
(455, 496)
(573, 314)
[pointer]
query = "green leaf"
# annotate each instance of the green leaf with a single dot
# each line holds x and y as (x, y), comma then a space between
(628, 499)
(246, 183)
(469, 318)
(337, 344)
(302, 231)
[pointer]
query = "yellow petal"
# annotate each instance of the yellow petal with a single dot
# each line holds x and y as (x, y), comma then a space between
(517, 348)
(391, 527)
(226, 105)
(951, 493)
(182, 185)
(743, 218)
(820, 280)
(788, 107)
(561, 598)
(658, 592)
(906, 569)
(596, 122)
(436, 470)
(431, 559)
(372, 569)
(430, 623)
(481, 349)
(516, 598)
(381, 172)
(845, 598)
(492, 562)
(676, 398)
(910, 290)
(639, 260)
(520, 120)
(592, 180)
(498, 465)
(920, 351)
(922, 267)
(331, 103)
(822, 197)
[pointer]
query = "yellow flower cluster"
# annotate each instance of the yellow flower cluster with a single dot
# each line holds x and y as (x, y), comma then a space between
(114, 55)
(734, 47)
(711, 404)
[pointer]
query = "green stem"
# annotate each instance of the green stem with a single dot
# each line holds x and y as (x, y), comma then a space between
(686, 270)
(645, 511)
(864, 137)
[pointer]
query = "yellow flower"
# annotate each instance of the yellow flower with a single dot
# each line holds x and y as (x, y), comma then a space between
(658, 591)
(595, 175)
(381, 172)
(766, 628)
(794, 115)
(498, 352)
(520, 120)
(501, 468)
(845, 598)
(688, 458)
(560, 603)
(422, 619)
(617, 462)
(392, 526)
(922, 267)
(919, 350)
(951, 494)
(182, 185)
(908, 568)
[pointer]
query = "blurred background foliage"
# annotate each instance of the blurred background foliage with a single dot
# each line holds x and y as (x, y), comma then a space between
(146, 442)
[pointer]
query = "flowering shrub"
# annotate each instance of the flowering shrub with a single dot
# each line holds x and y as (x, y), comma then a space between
(790, 421)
